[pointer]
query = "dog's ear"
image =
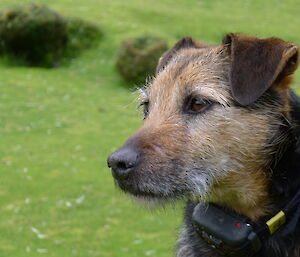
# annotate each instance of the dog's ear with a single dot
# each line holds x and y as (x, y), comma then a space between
(185, 42)
(257, 63)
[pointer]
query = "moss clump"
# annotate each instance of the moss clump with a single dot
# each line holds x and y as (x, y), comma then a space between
(81, 35)
(138, 57)
(34, 34)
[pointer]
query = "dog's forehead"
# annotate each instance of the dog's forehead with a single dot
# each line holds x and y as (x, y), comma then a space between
(194, 71)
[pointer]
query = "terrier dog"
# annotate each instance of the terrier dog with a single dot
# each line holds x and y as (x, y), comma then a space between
(221, 126)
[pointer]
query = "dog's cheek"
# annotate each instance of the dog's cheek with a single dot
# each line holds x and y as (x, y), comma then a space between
(226, 141)
(207, 147)
(235, 155)
(164, 180)
(230, 138)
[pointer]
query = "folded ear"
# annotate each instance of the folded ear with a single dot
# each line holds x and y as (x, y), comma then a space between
(185, 42)
(256, 64)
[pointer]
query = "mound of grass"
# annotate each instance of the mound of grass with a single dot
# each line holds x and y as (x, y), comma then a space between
(138, 57)
(81, 35)
(35, 35)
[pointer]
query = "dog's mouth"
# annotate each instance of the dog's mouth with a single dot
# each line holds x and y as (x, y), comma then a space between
(135, 191)
(168, 187)
(145, 193)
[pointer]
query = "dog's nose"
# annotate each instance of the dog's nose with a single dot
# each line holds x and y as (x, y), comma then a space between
(122, 162)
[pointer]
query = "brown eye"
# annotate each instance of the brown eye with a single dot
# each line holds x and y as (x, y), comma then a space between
(197, 105)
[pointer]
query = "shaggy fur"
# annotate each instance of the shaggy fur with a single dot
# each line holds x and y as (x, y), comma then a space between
(220, 126)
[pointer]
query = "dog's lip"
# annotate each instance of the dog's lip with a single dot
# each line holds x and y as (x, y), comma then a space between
(139, 193)
(135, 191)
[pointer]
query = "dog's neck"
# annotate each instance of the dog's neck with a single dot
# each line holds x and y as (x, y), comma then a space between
(248, 196)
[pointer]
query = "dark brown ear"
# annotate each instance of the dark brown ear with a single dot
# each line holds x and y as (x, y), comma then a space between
(256, 64)
(185, 42)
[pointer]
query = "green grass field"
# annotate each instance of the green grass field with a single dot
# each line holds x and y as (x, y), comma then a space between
(57, 197)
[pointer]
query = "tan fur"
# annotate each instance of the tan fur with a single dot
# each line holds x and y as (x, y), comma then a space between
(233, 139)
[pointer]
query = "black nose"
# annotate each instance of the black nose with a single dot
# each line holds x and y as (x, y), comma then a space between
(122, 162)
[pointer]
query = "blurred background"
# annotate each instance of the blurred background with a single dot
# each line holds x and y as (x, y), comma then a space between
(63, 114)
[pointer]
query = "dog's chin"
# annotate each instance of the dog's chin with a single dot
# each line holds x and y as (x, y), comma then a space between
(146, 197)
(152, 202)
(149, 202)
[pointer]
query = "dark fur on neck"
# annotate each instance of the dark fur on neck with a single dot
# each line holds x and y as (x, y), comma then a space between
(285, 182)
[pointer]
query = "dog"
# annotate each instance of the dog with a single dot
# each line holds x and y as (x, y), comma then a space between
(221, 125)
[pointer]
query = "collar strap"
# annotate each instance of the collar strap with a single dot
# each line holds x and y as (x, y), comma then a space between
(234, 235)
(290, 214)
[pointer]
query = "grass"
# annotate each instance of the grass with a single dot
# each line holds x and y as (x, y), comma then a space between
(57, 127)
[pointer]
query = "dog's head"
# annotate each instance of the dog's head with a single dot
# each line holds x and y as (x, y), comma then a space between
(211, 114)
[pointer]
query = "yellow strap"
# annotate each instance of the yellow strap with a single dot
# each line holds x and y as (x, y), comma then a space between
(276, 222)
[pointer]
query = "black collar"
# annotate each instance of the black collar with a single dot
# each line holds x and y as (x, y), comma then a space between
(235, 235)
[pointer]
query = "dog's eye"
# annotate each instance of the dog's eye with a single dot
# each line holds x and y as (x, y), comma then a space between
(145, 106)
(197, 105)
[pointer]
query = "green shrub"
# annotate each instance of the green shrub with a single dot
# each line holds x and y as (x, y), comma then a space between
(34, 34)
(38, 36)
(81, 35)
(137, 58)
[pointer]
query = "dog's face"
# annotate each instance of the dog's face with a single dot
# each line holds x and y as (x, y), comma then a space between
(202, 139)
